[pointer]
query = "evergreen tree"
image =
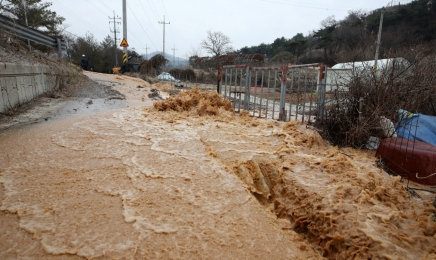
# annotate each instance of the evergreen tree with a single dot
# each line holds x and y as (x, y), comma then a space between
(39, 16)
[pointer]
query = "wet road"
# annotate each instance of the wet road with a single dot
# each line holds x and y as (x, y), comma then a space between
(129, 183)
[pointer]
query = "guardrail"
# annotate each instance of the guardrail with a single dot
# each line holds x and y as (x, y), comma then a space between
(31, 34)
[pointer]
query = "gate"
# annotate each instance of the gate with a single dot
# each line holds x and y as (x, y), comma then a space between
(279, 92)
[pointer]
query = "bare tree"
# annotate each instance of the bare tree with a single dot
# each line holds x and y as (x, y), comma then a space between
(216, 43)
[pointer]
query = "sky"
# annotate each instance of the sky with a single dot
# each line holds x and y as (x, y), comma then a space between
(245, 22)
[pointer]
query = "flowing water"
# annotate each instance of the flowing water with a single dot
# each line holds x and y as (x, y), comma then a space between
(194, 180)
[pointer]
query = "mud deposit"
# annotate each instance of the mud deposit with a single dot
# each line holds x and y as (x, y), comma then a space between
(195, 180)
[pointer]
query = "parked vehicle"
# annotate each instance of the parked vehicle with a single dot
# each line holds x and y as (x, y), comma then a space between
(165, 76)
(129, 66)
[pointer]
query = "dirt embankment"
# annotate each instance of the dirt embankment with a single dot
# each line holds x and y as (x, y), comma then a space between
(337, 200)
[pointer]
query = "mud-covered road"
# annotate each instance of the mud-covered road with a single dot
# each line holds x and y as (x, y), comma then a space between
(100, 180)
(189, 179)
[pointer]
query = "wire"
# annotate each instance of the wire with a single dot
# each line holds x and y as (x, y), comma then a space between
(78, 17)
(105, 5)
(163, 6)
(97, 7)
(71, 33)
(305, 6)
(315, 5)
(148, 18)
(141, 27)
(153, 7)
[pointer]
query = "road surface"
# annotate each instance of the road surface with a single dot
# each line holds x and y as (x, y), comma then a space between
(100, 176)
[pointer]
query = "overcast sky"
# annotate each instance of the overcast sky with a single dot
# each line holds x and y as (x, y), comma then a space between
(246, 22)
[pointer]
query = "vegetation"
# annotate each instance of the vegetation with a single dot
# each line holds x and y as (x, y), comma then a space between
(38, 14)
(101, 55)
(353, 38)
(353, 114)
(154, 66)
(216, 43)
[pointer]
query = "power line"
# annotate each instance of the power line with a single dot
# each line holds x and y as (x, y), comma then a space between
(97, 8)
(148, 18)
(163, 6)
(141, 26)
(314, 4)
(153, 8)
(104, 5)
(305, 6)
(78, 17)
(71, 33)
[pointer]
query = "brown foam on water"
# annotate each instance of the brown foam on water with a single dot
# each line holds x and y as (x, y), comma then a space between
(203, 103)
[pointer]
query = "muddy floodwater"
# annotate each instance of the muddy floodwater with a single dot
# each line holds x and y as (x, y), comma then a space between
(190, 179)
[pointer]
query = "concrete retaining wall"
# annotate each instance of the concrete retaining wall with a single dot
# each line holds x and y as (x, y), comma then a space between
(21, 83)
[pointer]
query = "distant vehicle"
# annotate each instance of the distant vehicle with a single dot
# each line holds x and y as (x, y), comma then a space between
(165, 76)
(129, 66)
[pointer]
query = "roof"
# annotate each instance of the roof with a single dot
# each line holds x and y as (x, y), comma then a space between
(383, 63)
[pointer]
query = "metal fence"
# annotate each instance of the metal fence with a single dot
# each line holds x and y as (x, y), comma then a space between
(279, 92)
(31, 34)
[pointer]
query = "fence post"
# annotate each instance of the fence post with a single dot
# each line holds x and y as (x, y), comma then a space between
(321, 90)
(59, 43)
(282, 113)
(219, 81)
(247, 88)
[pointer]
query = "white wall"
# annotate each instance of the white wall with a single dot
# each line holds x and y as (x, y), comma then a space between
(337, 79)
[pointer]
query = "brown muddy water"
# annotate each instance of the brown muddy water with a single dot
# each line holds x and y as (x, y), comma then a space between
(189, 179)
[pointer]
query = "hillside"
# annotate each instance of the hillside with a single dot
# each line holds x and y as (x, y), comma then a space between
(354, 37)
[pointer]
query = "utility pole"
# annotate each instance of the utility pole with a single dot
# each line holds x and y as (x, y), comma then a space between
(25, 17)
(174, 55)
(378, 39)
(115, 35)
(146, 53)
(163, 53)
(124, 31)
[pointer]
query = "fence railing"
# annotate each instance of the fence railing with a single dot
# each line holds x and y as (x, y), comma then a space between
(31, 34)
(278, 92)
